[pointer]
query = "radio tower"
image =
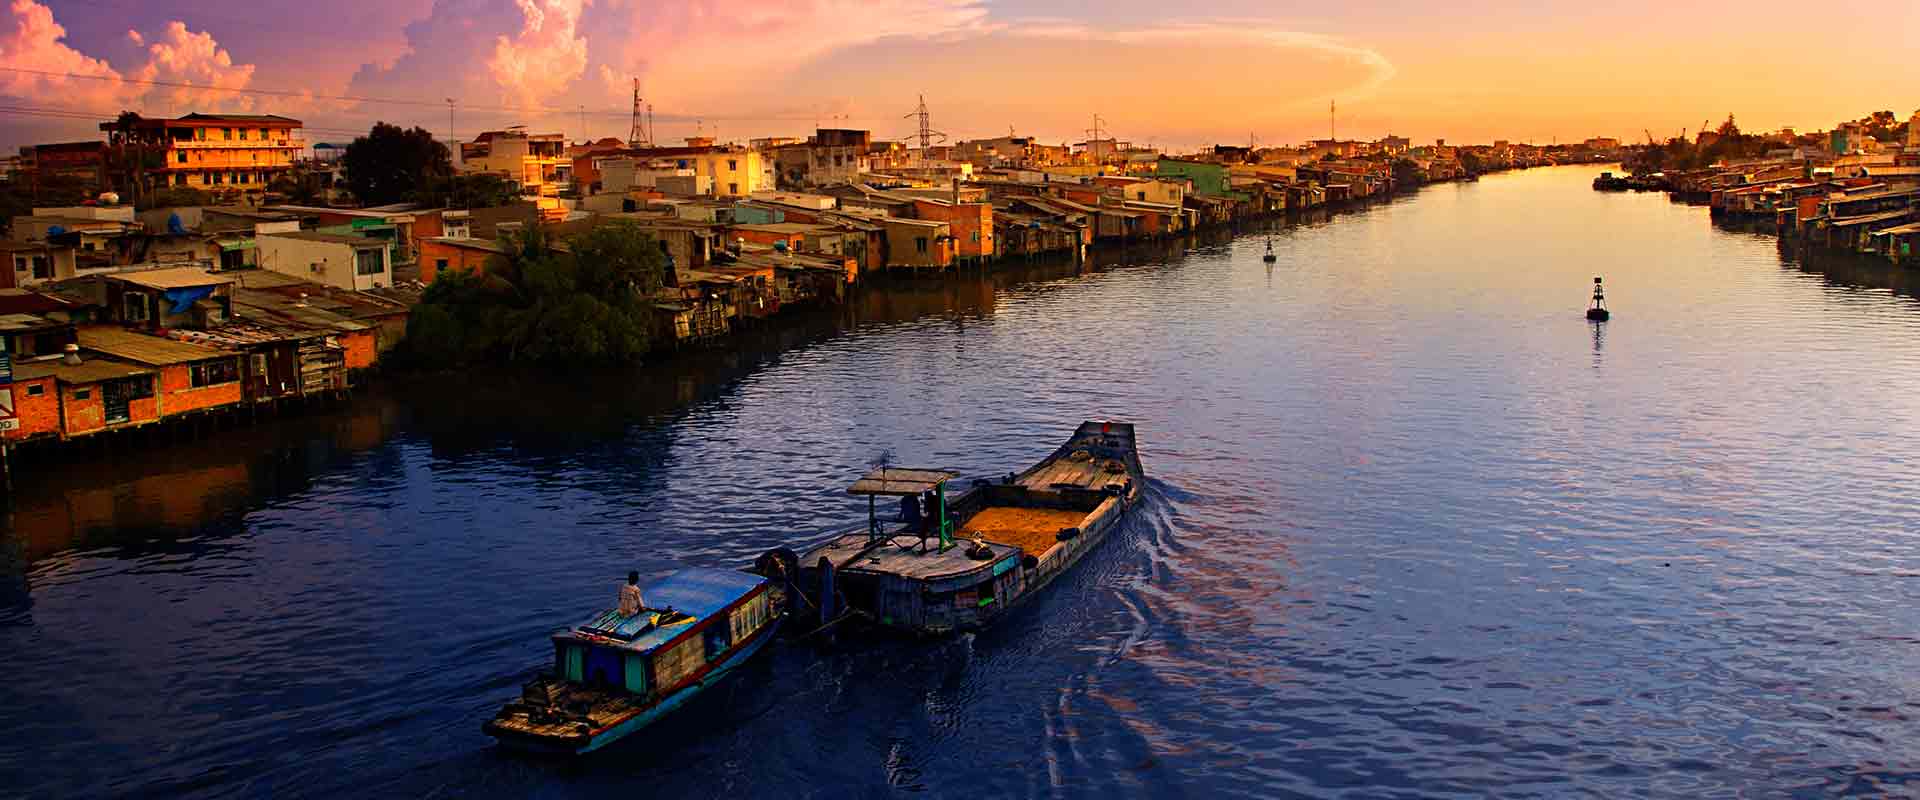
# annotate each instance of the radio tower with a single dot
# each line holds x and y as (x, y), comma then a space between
(927, 134)
(638, 136)
(1093, 140)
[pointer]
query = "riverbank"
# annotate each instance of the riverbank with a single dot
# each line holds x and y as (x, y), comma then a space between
(43, 448)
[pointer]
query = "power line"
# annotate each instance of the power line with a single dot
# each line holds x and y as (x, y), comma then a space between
(303, 95)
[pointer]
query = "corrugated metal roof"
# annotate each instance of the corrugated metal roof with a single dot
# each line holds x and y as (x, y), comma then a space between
(335, 238)
(143, 348)
(172, 278)
(92, 370)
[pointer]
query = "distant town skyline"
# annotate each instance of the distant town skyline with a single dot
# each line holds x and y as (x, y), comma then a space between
(1230, 72)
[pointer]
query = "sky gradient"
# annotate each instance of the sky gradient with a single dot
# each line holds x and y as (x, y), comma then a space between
(1227, 71)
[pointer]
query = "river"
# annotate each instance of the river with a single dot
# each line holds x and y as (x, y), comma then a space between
(1414, 528)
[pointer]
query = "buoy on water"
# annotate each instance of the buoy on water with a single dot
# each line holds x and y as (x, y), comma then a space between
(1597, 310)
(1269, 257)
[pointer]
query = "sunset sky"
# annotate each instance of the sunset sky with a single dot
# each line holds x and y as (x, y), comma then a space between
(1179, 75)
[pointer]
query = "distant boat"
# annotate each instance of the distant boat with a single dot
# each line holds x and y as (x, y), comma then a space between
(1597, 310)
(616, 674)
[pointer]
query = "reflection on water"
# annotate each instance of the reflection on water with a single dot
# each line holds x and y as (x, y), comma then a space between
(1412, 530)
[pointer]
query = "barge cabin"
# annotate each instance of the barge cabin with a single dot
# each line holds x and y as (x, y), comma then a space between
(968, 559)
(615, 674)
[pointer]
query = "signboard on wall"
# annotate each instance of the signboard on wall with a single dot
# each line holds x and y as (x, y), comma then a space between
(7, 419)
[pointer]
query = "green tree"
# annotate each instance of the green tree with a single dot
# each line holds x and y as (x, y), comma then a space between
(174, 197)
(298, 187)
(589, 303)
(1406, 173)
(468, 190)
(390, 164)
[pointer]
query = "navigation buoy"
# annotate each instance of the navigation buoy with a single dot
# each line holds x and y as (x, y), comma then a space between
(1597, 310)
(1269, 257)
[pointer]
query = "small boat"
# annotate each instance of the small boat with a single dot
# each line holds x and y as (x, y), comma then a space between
(615, 674)
(1269, 257)
(1597, 309)
(969, 559)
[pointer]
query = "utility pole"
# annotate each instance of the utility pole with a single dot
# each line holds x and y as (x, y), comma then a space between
(636, 135)
(583, 124)
(927, 133)
(1331, 135)
(1093, 140)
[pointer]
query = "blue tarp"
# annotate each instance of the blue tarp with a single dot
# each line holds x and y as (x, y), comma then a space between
(184, 297)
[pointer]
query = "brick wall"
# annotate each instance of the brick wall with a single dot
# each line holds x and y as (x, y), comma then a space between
(178, 395)
(38, 414)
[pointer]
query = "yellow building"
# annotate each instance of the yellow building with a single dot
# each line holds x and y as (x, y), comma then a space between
(538, 162)
(226, 154)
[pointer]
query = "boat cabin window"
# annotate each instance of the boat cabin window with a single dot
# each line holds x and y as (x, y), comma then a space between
(719, 639)
(749, 617)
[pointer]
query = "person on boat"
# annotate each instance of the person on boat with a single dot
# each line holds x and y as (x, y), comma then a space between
(933, 510)
(630, 602)
(910, 510)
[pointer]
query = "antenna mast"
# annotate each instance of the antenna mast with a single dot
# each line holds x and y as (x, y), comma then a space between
(638, 134)
(1331, 135)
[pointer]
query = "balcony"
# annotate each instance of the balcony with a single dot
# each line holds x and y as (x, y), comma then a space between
(294, 143)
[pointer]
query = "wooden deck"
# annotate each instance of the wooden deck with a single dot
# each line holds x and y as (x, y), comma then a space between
(1085, 472)
(605, 708)
(850, 552)
(1034, 530)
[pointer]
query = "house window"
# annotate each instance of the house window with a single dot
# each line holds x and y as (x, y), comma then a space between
(82, 394)
(242, 178)
(217, 177)
(733, 165)
(1140, 195)
(139, 388)
(370, 262)
(42, 267)
(733, 188)
(226, 133)
(135, 304)
(243, 134)
(180, 179)
(180, 157)
(439, 265)
(214, 373)
(36, 390)
(920, 243)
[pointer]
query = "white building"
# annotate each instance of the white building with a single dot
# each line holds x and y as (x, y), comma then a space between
(354, 263)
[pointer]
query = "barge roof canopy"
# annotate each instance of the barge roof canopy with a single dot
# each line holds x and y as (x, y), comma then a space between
(900, 481)
(697, 592)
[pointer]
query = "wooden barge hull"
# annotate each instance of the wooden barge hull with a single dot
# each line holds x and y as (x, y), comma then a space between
(619, 672)
(617, 726)
(1035, 528)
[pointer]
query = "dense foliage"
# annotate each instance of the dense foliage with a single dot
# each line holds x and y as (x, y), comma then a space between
(390, 164)
(467, 190)
(586, 303)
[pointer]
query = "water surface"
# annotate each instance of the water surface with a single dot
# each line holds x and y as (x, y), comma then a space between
(1415, 529)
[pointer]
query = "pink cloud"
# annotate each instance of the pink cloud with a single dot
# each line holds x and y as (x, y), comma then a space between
(179, 55)
(31, 40)
(547, 54)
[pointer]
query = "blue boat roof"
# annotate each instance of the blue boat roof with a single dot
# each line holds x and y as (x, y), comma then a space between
(698, 592)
